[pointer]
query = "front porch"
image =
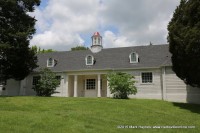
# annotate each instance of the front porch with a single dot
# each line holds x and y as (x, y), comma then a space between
(93, 85)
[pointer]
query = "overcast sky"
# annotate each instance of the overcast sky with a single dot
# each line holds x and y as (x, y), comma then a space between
(62, 24)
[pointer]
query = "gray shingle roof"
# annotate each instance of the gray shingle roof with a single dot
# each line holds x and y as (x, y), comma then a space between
(151, 56)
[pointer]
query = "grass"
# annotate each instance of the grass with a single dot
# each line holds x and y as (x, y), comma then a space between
(89, 115)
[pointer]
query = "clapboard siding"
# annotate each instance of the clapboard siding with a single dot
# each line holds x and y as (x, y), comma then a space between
(175, 87)
(29, 87)
(178, 91)
(12, 87)
(149, 91)
(59, 89)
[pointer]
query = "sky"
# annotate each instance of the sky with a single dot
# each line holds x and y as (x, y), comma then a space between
(63, 24)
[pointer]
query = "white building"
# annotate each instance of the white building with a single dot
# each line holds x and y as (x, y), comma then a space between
(83, 73)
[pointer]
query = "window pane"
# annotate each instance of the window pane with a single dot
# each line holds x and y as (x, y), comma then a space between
(50, 62)
(147, 77)
(133, 57)
(89, 60)
(90, 84)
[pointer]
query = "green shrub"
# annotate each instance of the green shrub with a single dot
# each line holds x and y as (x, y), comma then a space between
(47, 83)
(121, 85)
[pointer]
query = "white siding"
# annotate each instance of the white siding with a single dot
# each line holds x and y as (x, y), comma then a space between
(2, 91)
(166, 85)
(151, 90)
(28, 89)
(178, 91)
(12, 87)
(61, 89)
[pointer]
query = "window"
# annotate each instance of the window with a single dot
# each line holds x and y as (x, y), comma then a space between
(50, 62)
(35, 80)
(90, 84)
(133, 57)
(147, 77)
(58, 78)
(95, 40)
(89, 60)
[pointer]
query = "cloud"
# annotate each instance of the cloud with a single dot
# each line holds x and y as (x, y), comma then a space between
(112, 40)
(141, 21)
(63, 24)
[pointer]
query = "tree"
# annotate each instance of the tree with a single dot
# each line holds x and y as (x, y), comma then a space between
(121, 84)
(17, 60)
(37, 50)
(79, 48)
(47, 83)
(184, 41)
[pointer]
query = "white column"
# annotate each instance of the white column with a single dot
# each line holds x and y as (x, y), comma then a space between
(99, 86)
(64, 85)
(67, 86)
(75, 85)
(108, 89)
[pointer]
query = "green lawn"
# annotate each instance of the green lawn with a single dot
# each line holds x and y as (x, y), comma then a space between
(94, 115)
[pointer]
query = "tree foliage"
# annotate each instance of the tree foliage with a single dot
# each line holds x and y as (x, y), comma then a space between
(184, 41)
(121, 84)
(17, 60)
(79, 48)
(47, 84)
(38, 50)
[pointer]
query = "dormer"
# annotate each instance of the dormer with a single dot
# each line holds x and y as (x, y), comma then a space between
(50, 62)
(133, 57)
(89, 60)
(96, 43)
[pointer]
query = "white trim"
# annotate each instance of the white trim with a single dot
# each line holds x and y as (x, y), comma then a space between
(109, 69)
(141, 78)
(86, 60)
(130, 57)
(164, 83)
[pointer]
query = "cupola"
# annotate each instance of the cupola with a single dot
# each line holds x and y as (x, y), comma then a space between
(96, 43)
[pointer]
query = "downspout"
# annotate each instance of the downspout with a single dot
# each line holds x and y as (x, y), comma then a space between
(164, 83)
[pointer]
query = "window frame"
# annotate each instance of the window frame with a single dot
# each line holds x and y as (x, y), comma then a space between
(53, 62)
(86, 60)
(130, 57)
(151, 77)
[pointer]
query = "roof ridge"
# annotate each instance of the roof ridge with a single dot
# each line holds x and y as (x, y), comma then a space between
(138, 46)
(106, 48)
